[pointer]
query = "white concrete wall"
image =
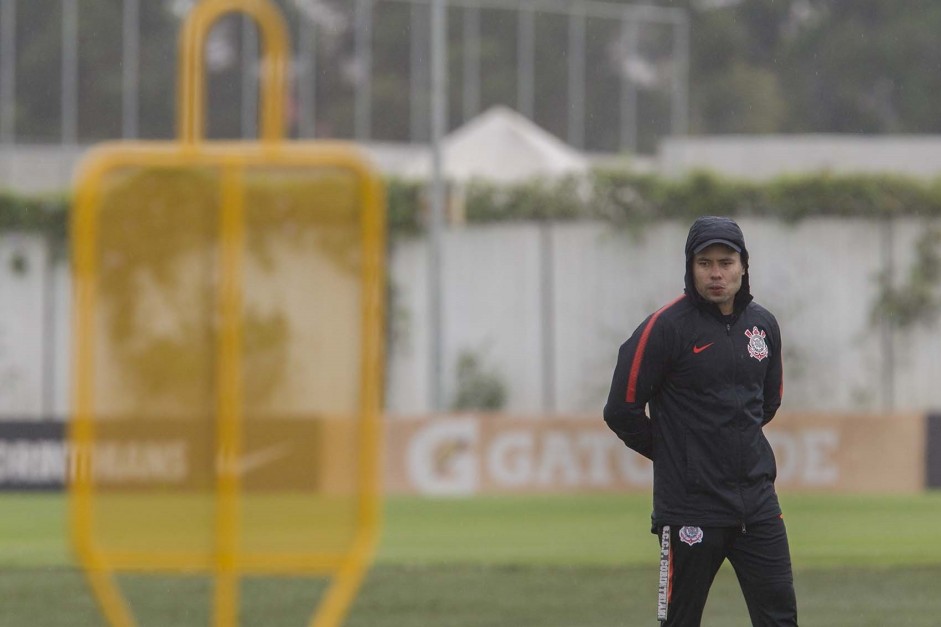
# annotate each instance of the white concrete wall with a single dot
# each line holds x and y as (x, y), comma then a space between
(49, 168)
(34, 293)
(491, 301)
(752, 157)
(34, 169)
(819, 277)
(38, 169)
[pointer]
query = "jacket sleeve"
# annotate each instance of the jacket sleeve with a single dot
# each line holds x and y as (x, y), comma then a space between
(774, 377)
(643, 362)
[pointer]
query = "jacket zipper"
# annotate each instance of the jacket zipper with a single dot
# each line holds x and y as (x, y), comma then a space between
(741, 443)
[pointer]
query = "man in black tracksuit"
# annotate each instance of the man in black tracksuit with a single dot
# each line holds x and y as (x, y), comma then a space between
(708, 365)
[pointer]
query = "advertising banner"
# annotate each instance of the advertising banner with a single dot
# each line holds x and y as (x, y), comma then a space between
(468, 454)
(494, 454)
(32, 455)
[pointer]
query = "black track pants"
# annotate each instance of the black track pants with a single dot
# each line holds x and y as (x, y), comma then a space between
(760, 556)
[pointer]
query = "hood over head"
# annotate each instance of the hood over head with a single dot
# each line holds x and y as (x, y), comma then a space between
(708, 230)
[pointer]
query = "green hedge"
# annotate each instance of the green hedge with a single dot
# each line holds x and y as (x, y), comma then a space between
(634, 200)
(46, 214)
(619, 197)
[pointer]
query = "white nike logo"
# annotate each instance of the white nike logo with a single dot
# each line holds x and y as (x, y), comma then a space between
(250, 462)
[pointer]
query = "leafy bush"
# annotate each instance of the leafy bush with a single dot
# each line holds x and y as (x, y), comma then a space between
(477, 388)
(621, 197)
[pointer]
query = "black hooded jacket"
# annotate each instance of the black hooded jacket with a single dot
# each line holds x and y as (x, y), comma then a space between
(711, 383)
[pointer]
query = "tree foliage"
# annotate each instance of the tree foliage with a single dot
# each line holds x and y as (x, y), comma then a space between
(757, 66)
(833, 66)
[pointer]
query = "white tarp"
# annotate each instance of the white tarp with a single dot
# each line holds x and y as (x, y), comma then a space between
(503, 146)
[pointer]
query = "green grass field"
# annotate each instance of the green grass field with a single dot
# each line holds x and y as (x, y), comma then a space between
(583, 561)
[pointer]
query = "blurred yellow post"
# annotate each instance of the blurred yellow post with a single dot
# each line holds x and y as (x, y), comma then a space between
(228, 401)
(227, 363)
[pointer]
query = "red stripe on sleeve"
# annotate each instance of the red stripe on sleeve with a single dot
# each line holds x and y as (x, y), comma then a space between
(641, 347)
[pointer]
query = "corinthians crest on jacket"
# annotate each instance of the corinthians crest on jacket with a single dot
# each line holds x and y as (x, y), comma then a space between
(757, 347)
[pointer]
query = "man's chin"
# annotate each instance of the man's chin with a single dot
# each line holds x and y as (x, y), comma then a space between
(717, 300)
(712, 298)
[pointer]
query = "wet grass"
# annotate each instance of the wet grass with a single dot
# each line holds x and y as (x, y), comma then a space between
(580, 561)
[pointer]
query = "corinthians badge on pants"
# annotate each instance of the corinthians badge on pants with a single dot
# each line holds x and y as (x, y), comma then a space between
(690, 535)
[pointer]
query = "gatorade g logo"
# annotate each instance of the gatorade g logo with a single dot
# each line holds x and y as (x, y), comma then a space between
(441, 457)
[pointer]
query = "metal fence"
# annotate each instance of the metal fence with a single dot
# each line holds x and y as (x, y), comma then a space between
(604, 76)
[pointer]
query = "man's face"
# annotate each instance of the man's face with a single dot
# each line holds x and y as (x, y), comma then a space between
(718, 273)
